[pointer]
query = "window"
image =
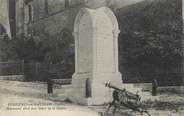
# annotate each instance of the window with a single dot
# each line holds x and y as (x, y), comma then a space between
(30, 12)
(67, 3)
(46, 7)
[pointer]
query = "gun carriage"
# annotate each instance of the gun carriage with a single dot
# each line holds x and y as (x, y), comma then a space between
(122, 97)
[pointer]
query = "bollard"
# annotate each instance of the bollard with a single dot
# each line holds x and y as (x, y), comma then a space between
(154, 87)
(88, 88)
(49, 86)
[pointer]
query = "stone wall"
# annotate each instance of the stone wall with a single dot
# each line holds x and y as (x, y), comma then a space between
(57, 19)
(38, 9)
(13, 77)
(53, 24)
(59, 16)
(54, 6)
(20, 17)
(57, 7)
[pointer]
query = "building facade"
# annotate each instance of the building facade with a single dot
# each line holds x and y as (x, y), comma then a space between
(52, 16)
(26, 16)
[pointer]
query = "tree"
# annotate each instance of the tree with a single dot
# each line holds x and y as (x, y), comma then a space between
(150, 41)
(7, 49)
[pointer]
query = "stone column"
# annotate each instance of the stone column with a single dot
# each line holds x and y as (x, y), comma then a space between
(96, 56)
(4, 13)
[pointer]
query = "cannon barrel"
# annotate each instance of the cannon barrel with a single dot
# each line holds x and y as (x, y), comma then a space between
(111, 86)
(129, 95)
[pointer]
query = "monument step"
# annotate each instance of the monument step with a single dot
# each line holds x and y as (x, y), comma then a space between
(66, 86)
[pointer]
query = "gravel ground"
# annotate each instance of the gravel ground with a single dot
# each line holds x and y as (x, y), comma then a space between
(32, 100)
(36, 102)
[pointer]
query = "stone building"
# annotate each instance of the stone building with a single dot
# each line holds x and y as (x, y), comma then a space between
(54, 17)
(28, 16)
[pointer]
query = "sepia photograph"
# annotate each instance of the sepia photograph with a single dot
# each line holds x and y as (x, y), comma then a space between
(91, 57)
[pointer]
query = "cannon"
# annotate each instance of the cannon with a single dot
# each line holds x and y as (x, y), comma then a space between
(122, 97)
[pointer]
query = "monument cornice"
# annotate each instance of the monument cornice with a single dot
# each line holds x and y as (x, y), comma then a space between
(116, 33)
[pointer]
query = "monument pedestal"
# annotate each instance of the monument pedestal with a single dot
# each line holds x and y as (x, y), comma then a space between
(99, 93)
(96, 56)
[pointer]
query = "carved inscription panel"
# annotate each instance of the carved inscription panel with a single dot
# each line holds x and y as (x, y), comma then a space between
(105, 43)
(85, 45)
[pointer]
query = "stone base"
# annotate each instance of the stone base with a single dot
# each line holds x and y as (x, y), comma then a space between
(99, 93)
(13, 77)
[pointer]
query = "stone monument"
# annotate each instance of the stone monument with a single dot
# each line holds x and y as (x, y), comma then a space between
(96, 56)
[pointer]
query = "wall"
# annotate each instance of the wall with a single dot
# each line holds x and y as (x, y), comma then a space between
(20, 17)
(58, 17)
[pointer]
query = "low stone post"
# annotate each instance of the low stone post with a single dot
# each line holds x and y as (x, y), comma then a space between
(154, 87)
(49, 86)
(88, 88)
